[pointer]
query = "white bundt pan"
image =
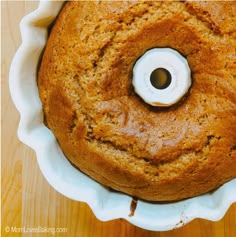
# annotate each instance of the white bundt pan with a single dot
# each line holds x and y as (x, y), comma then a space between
(106, 204)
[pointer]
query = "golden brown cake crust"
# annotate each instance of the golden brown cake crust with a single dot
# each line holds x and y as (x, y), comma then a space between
(105, 129)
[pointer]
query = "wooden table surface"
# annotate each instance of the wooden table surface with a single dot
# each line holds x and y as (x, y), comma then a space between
(27, 199)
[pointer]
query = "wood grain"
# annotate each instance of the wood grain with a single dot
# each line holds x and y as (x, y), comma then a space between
(29, 201)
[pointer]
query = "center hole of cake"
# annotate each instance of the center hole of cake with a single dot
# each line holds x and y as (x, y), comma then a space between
(160, 78)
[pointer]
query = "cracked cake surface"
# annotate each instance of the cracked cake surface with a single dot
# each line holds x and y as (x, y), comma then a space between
(107, 131)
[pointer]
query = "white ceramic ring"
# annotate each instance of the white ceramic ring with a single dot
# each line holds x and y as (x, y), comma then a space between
(164, 59)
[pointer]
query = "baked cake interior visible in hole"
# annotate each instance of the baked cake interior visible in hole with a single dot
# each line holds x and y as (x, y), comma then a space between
(160, 78)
